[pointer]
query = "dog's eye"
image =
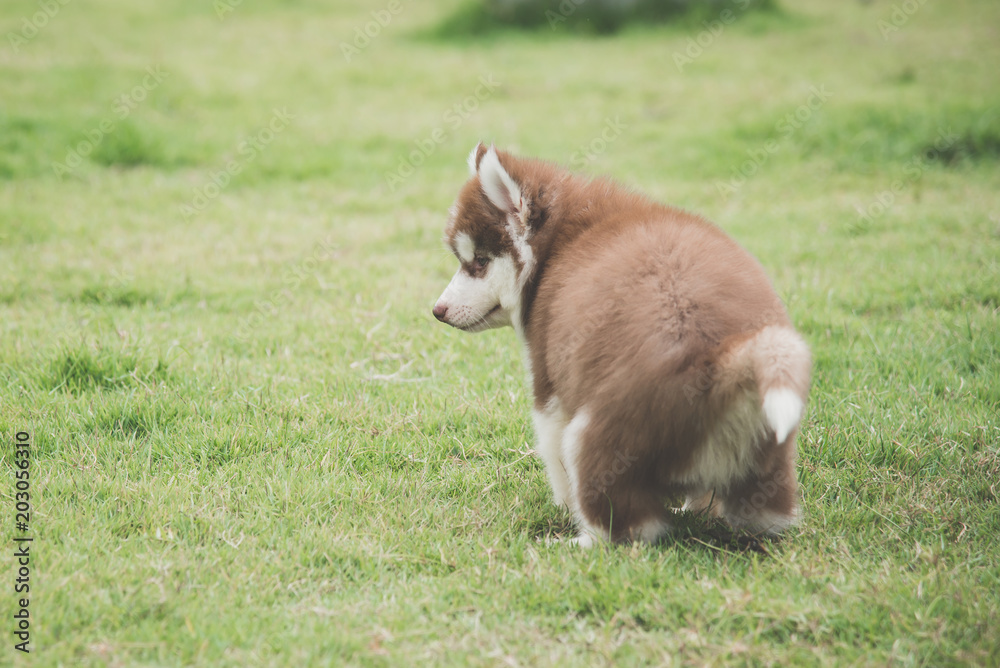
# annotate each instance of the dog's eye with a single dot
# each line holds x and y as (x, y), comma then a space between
(480, 262)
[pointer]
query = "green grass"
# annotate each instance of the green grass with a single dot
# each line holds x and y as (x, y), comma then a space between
(254, 445)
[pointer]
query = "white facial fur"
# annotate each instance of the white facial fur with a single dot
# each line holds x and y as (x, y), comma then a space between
(491, 298)
(483, 302)
(465, 247)
(506, 195)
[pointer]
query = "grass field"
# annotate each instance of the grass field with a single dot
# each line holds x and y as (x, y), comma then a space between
(253, 445)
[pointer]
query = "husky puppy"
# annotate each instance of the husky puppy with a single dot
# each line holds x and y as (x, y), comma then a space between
(663, 363)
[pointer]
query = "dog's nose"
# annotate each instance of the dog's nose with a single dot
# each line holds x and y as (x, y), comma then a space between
(440, 311)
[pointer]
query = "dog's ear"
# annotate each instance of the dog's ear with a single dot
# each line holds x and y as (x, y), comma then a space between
(478, 151)
(499, 187)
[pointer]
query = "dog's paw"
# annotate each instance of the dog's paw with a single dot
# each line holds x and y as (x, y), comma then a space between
(585, 540)
(766, 522)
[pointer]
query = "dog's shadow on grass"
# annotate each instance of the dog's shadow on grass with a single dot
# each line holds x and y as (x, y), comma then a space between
(720, 537)
(691, 530)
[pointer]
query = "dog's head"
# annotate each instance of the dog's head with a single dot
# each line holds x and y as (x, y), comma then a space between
(488, 231)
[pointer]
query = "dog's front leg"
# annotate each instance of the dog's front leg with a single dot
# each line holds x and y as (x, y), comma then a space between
(550, 421)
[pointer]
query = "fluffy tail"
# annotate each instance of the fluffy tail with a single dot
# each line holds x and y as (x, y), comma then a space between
(783, 410)
(779, 362)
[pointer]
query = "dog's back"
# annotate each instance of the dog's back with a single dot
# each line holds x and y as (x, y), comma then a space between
(650, 326)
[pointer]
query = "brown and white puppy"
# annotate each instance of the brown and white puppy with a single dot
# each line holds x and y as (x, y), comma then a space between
(662, 361)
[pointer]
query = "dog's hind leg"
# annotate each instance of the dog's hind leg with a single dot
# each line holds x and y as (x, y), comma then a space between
(767, 500)
(707, 502)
